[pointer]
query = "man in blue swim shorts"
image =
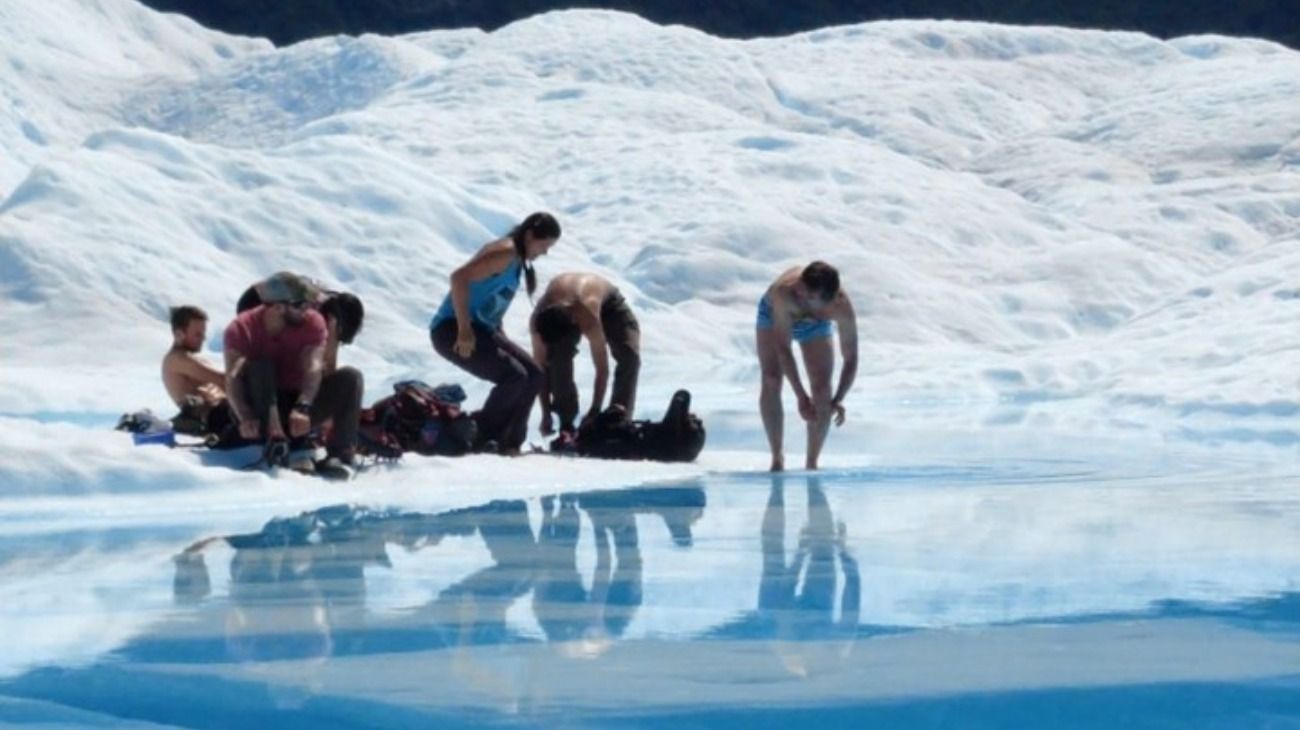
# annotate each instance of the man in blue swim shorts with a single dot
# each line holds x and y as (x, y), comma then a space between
(800, 307)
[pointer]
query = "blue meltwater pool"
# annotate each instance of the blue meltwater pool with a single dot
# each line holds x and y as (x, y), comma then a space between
(1007, 594)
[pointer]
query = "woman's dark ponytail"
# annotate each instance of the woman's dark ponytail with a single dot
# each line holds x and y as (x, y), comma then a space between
(542, 225)
(530, 275)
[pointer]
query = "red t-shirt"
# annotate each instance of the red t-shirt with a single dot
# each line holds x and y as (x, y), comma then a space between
(247, 334)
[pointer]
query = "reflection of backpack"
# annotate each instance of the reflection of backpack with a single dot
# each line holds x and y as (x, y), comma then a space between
(612, 435)
(419, 418)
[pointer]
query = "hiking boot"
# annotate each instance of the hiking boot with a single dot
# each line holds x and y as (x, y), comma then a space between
(565, 443)
(302, 455)
(336, 468)
(276, 452)
(302, 462)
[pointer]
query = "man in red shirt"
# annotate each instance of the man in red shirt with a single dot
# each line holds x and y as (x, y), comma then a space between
(343, 311)
(275, 379)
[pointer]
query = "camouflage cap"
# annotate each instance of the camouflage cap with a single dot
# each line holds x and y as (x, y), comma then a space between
(286, 286)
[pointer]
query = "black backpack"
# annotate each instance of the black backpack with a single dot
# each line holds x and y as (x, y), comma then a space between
(679, 436)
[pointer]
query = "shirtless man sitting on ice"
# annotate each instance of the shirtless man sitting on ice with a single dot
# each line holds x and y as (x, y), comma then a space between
(195, 385)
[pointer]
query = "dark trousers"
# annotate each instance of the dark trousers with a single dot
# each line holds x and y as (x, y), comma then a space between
(515, 379)
(623, 335)
(339, 399)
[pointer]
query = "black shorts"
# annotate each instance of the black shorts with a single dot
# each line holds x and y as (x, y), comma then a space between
(223, 428)
(220, 418)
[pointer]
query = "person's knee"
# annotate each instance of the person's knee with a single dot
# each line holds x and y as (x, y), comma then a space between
(511, 373)
(258, 377)
(260, 371)
(535, 379)
(821, 395)
(350, 380)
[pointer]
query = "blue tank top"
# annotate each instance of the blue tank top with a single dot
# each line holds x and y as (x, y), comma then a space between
(488, 298)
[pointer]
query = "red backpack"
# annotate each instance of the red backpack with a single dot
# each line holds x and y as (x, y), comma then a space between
(419, 418)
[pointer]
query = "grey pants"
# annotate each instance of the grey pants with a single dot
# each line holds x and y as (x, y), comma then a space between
(515, 377)
(339, 398)
(622, 334)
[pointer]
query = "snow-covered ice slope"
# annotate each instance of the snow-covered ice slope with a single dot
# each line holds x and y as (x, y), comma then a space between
(1040, 227)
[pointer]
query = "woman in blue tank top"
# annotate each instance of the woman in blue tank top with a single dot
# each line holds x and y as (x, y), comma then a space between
(466, 329)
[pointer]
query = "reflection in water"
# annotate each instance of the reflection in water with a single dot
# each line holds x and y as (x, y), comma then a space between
(293, 642)
(585, 622)
(298, 589)
(292, 582)
(796, 597)
(799, 596)
(298, 586)
(473, 610)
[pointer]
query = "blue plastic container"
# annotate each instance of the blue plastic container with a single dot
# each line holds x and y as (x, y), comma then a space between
(164, 438)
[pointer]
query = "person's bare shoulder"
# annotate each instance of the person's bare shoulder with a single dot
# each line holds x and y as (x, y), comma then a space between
(502, 248)
(172, 360)
(841, 304)
(491, 259)
(783, 285)
(779, 295)
(592, 290)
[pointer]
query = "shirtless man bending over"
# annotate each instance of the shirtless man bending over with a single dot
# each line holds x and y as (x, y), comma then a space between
(574, 306)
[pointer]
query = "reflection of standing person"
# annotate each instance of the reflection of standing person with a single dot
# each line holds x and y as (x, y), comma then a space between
(473, 610)
(616, 591)
(559, 598)
(800, 306)
(586, 622)
(466, 330)
(470, 616)
(796, 600)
